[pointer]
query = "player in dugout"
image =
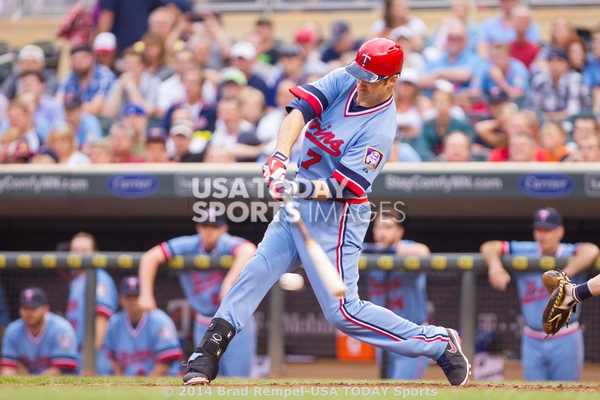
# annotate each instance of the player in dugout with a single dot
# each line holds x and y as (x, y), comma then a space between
(40, 342)
(351, 129)
(402, 292)
(560, 357)
(140, 343)
(205, 289)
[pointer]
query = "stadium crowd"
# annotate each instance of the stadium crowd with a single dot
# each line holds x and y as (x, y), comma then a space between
(151, 81)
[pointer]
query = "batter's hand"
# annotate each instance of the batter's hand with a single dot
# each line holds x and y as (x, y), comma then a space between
(147, 302)
(499, 278)
(275, 167)
(281, 189)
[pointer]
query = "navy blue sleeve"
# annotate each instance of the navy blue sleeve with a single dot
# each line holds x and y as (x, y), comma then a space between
(304, 107)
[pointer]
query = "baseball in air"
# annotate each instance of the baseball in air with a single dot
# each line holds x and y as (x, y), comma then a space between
(290, 281)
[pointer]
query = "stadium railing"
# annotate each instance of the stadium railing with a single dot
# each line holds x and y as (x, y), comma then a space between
(468, 264)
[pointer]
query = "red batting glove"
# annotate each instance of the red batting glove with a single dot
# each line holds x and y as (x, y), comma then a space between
(274, 168)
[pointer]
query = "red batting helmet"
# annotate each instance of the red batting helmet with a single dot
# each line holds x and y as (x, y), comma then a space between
(377, 59)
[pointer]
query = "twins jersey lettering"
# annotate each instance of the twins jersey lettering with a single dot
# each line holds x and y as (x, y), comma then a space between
(532, 292)
(54, 346)
(201, 288)
(106, 300)
(153, 340)
(344, 141)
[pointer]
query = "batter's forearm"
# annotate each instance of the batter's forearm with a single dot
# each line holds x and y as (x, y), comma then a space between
(289, 132)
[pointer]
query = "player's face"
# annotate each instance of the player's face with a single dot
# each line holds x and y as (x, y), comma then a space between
(386, 232)
(548, 239)
(370, 94)
(210, 234)
(82, 245)
(33, 317)
(130, 303)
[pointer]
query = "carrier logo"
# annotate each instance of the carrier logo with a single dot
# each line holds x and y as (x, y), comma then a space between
(546, 185)
(592, 185)
(132, 185)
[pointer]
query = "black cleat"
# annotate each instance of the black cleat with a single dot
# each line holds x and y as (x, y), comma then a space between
(453, 362)
(201, 369)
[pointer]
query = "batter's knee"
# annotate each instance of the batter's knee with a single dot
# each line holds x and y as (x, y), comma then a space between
(338, 320)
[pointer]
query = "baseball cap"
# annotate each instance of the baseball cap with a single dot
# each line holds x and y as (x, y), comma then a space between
(182, 127)
(304, 35)
(557, 53)
(236, 76)
(338, 29)
(245, 50)
(81, 48)
(289, 50)
(72, 102)
(132, 109)
(409, 75)
(157, 134)
(130, 286)
(32, 52)
(547, 217)
(401, 32)
(211, 217)
(33, 297)
(105, 42)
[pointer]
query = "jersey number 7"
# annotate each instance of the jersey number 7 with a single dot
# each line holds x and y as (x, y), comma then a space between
(314, 158)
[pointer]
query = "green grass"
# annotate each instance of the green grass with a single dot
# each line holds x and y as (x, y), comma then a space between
(80, 388)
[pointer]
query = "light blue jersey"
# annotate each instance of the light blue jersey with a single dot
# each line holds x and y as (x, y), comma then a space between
(345, 141)
(54, 346)
(494, 30)
(106, 304)
(517, 76)
(153, 340)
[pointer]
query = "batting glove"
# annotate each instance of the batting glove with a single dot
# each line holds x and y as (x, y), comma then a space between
(281, 189)
(275, 167)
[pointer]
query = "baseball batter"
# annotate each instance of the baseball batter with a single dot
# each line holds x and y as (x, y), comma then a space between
(205, 289)
(402, 292)
(351, 124)
(559, 357)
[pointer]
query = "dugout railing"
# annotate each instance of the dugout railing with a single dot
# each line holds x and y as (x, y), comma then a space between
(468, 264)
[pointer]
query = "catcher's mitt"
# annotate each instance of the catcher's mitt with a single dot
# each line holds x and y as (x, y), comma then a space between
(559, 306)
(552, 278)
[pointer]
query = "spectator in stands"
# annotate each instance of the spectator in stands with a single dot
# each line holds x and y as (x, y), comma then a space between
(591, 73)
(87, 127)
(135, 85)
(402, 292)
(48, 108)
(341, 41)
(31, 59)
(554, 138)
(232, 128)
(89, 81)
(264, 131)
(291, 63)
(21, 119)
(51, 349)
(589, 148)
(584, 125)
(234, 81)
(502, 73)
(77, 25)
(562, 32)
(160, 23)
(105, 50)
(397, 13)
(243, 57)
(457, 65)
(155, 56)
(517, 123)
(406, 93)
(61, 140)
(538, 365)
(521, 148)
(122, 140)
(181, 134)
(412, 59)
(576, 54)
(456, 148)
(308, 37)
(172, 91)
(100, 152)
(45, 156)
(201, 114)
(40, 123)
(137, 119)
(252, 103)
(429, 143)
(557, 93)
(464, 11)
(149, 349)
(6, 138)
(500, 29)
(155, 150)
(268, 46)
(215, 45)
(127, 20)
(522, 48)
(106, 301)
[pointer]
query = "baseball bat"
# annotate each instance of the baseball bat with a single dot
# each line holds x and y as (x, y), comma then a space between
(327, 272)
